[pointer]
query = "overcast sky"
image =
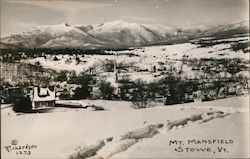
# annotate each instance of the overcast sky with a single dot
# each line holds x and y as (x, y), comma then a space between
(20, 15)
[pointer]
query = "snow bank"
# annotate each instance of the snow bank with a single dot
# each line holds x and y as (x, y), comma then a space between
(87, 151)
(234, 127)
(146, 132)
(121, 143)
(68, 130)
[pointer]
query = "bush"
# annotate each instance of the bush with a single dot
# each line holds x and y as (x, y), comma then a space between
(108, 65)
(240, 46)
(107, 91)
(177, 89)
(84, 91)
(124, 92)
(62, 76)
(140, 95)
(64, 96)
(22, 104)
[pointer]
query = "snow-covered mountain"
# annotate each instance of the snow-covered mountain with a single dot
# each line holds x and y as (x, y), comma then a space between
(115, 34)
(227, 31)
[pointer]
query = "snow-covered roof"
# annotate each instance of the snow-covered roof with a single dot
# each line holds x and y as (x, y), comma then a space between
(3, 97)
(224, 75)
(243, 73)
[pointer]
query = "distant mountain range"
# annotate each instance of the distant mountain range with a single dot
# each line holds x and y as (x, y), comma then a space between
(115, 34)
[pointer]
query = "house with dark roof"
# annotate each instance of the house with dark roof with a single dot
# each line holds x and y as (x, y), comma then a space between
(3, 99)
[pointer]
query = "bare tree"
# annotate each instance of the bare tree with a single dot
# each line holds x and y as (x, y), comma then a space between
(140, 95)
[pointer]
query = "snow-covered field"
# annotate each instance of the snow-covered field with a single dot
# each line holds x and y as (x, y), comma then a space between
(146, 63)
(119, 131)
(148, 56)
(58, 133)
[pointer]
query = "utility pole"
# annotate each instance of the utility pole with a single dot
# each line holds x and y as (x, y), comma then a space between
(115, 67)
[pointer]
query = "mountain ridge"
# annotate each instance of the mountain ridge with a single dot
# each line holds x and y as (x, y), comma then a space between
(115, 34)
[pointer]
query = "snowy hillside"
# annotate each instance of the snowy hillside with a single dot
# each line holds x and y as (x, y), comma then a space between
(115, 34)
(85, 128)
(228, 30)
(146, 57)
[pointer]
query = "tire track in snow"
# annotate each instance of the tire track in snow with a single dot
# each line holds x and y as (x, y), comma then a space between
(108, 147)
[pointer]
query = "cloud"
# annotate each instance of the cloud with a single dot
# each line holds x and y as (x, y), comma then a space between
(15, 27)
(68, 8)
(63, 5)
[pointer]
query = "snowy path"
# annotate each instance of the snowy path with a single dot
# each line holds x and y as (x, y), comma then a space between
(235, 128)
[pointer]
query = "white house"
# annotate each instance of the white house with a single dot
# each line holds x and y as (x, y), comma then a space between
(43, 97)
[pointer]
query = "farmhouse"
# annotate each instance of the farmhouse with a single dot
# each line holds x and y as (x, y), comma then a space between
(43, 97)
(3, 99)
